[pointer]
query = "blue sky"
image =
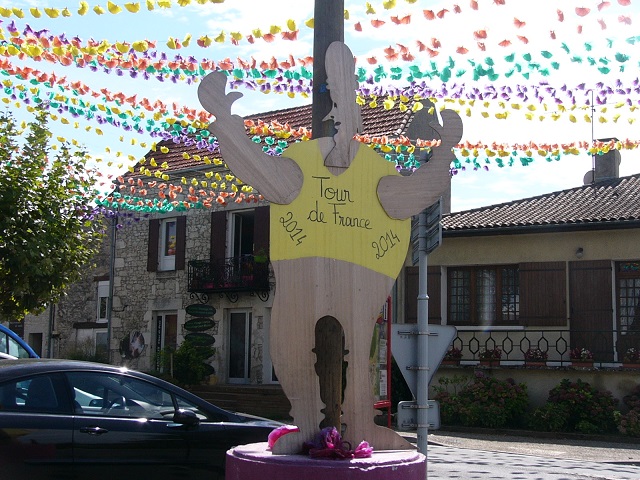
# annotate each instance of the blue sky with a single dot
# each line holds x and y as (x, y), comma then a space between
(470, 189)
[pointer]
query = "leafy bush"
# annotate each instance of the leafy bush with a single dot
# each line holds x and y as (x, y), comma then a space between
(86, 350)
(632, 400)
(551, 417)
(486, 402)
(577, 406)
(186, 365)
(447, 394)
(629, 424)
(399, 389)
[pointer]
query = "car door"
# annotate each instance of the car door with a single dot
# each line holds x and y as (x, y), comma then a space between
(36, 428)
(126, 426)
(208, 441)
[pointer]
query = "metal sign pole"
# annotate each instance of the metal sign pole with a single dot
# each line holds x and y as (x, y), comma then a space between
(422, 396)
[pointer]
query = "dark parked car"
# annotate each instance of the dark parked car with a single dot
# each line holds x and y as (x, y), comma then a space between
(66, 419)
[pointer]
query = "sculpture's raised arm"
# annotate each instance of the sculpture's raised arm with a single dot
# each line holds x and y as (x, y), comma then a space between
(403, 197)
(278, 179)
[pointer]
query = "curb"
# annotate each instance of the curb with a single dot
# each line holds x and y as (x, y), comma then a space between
(539, 435)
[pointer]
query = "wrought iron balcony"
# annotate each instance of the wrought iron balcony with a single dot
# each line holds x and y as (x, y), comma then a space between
(230, 276)
(608, 347)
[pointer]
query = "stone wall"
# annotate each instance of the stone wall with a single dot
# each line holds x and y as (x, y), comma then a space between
(140, 295)
(75, 310)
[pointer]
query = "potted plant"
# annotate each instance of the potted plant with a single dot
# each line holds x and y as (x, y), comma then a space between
(490, 356)
(581, 357)
(452, 357)
(631, 358)
(535, 357)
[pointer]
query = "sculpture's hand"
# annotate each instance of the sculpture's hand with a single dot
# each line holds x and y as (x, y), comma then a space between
(403, 197)
(450, 132)
(211, 93)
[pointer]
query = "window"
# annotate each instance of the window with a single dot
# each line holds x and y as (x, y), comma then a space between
(241, 234)
(629, 297)
(244, 232)
(112, 395)
(41, 394)
(167, 238)
(167, 245)
(483, 295)
(103, 301)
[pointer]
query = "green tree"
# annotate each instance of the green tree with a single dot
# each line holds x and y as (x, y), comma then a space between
(47, 230)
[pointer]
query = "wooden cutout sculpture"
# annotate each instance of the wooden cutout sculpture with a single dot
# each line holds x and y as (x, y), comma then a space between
(340, 233)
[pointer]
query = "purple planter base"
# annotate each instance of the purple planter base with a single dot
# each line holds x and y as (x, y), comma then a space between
(255, 462)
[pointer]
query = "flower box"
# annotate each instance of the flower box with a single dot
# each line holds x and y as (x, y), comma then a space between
(535, 364)
(582, 364)
(450, 361)
(489, 363)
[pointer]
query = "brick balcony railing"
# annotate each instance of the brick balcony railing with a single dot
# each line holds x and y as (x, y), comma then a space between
(608, 347)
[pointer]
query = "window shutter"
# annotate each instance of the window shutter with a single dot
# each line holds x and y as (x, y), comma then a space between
(591, 307)
(434, 289)
(543, 294)
(181, 241)
(218, 235)
(261, 230)
(152, 249)
(410, 294)
(412, 284)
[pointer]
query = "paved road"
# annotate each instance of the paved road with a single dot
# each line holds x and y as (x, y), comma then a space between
(474, 456)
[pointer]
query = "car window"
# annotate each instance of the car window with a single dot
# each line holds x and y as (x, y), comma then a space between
(16, 349)
(106, 394)
(203, 415)
(38, 394)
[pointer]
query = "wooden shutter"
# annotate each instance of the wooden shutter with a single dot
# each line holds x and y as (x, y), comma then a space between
(261, 230)
(152, 248)
(218, 235)
(412, 282)
(434, 290)
(181, 241)
(543, 294)
(591, 307)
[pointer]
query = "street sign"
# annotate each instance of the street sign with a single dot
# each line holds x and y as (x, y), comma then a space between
(433, 230)
(407, 417)
(404, 347)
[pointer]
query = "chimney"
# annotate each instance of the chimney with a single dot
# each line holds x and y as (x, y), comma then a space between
(606, 166)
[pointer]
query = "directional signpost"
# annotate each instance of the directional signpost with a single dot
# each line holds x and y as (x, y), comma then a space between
(404, 347)
(419, 349)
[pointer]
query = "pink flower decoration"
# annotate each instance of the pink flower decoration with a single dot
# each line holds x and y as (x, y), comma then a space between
(280, 432)
(363, 450)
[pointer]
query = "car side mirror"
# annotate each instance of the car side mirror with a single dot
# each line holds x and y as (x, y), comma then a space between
(186, 417)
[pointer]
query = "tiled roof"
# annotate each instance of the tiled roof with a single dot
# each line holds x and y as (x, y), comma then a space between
(376, 121)
(614, 202)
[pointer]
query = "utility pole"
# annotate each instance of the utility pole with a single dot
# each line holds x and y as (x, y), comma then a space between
(329, 27)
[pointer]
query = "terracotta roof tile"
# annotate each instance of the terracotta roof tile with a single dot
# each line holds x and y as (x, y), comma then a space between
(376, 121)
(609, 201)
